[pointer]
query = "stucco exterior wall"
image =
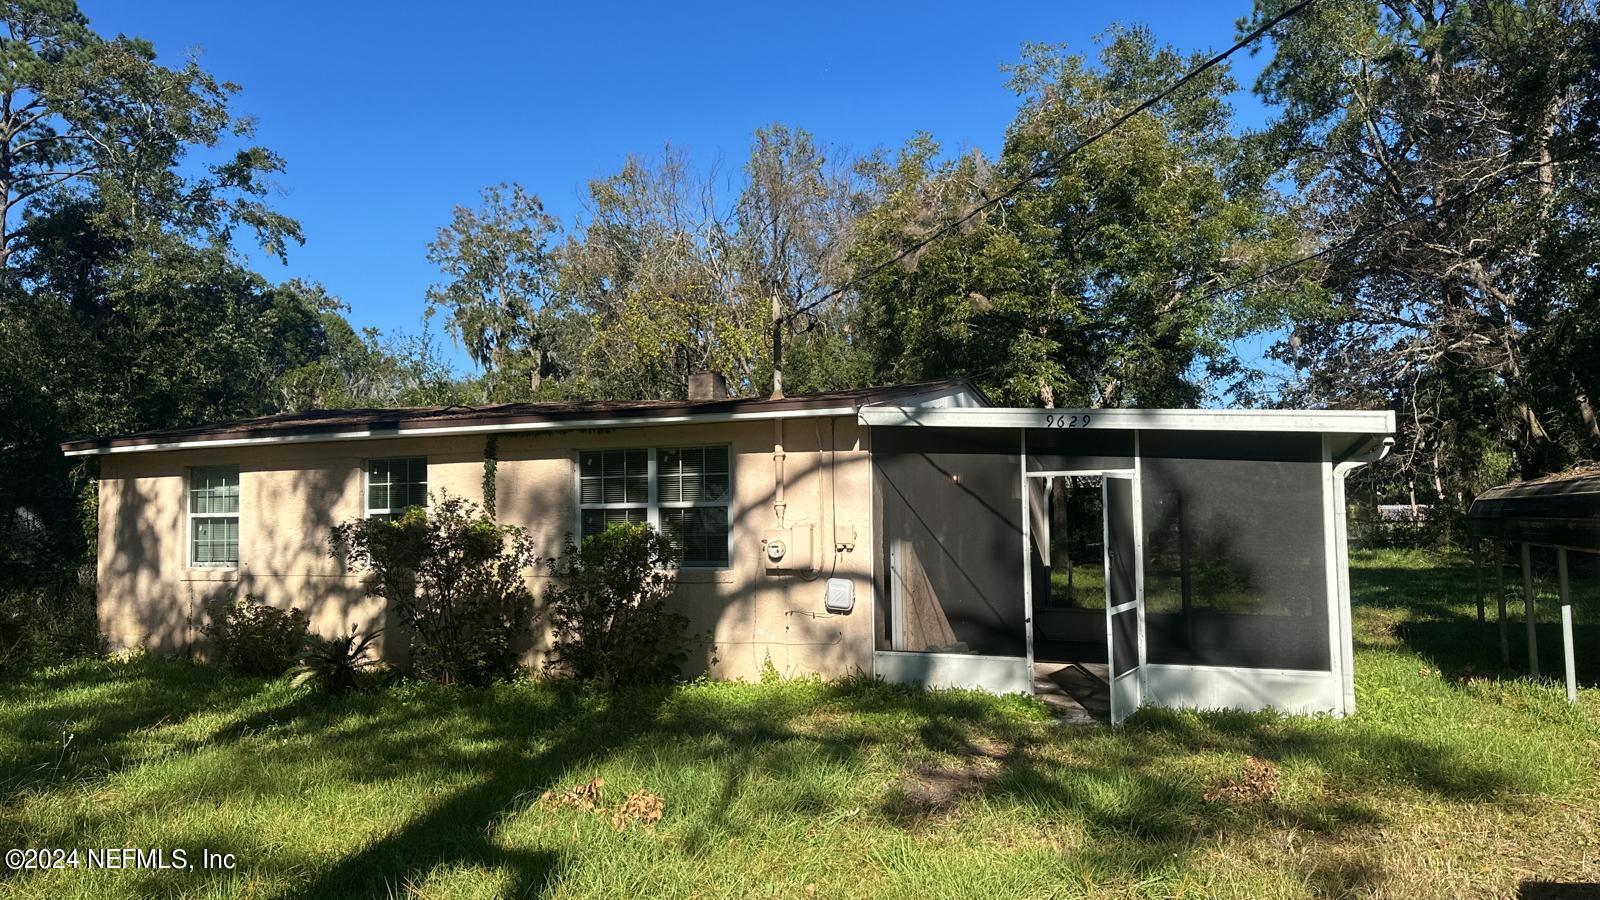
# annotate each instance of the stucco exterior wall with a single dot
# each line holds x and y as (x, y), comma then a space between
(291, 495)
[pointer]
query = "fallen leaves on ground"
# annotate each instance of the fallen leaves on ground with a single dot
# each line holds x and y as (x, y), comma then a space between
(1258, 781)
(642, 807)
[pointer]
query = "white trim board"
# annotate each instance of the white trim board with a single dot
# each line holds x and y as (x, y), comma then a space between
(1268, 420)
(995, 674)
(1294, 691)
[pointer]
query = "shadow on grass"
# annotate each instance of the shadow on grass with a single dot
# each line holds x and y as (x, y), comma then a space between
(82, 720)
(1432, 612)
(493, 752)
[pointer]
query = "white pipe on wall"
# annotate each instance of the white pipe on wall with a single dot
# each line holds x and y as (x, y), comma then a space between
(827, 498)
(778, 504)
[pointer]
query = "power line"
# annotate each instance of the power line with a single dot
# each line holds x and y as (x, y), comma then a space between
(1359, 236)
(1345, 244)
(1046, 168)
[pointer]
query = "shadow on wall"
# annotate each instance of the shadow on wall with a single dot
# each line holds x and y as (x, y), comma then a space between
(155, 601)
(783, 615)
(140, 602)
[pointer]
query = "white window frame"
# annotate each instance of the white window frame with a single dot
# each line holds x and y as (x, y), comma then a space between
(367, 511)
(653, 504)
(190, 516)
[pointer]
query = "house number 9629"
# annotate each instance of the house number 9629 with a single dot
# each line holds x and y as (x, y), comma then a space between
(1067, 420)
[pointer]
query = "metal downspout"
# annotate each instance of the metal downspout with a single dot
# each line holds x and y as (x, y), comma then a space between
(1341, 469)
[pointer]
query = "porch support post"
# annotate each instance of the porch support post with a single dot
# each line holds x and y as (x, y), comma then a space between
(1500, 593)
(1477, 572)
(1566, 626)
(1528, 611)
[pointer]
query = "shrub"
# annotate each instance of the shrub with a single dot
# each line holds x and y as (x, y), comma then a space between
(454, 580)
(608, 611)
(251, 638)
(335, 665)
(48, 621)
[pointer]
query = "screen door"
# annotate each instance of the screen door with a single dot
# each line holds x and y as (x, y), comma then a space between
(1124, 613)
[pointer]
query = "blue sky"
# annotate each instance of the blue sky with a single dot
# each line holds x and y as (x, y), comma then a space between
(389, 114)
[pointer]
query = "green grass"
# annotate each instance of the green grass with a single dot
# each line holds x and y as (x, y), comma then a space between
(1455, 778)
(1086, 591)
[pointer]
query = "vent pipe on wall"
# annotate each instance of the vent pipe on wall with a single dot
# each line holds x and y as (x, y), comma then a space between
(777, 348)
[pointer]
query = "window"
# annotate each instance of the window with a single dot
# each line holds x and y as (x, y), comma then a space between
(214, 516)
(395, 484)
(682, 491)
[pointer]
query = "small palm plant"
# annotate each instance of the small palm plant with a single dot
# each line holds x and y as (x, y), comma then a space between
(334, 665)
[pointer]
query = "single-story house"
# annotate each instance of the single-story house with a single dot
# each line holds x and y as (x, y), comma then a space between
(915, 532)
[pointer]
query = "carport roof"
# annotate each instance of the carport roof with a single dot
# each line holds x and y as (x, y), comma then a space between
(1560, 510)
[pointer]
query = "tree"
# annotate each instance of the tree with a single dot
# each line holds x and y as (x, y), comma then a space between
(674, 273)
(342, 368)
(77, 109)
(653, 273)
(1096, 284)
(499, 277)
(1455, 142)
(123, 304)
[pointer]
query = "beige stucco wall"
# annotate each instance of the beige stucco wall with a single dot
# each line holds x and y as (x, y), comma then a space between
(291, 495)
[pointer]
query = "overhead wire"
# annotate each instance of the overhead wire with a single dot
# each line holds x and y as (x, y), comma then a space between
(1055, 163)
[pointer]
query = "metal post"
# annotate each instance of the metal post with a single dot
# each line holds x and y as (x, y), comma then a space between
(1500, 593)
(1527, 606)
(1566, 626)
(1477, 572)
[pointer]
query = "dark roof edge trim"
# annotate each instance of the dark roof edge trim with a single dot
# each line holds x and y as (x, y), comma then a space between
(555, 420)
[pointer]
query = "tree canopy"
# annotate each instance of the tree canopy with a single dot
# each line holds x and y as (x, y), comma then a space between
(1415, 227)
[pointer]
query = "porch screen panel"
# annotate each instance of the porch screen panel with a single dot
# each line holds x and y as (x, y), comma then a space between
(1235, 563)
(949, 507)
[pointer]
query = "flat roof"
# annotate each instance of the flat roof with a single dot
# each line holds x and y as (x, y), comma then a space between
(1324, 421)
(1560, 510)
(366, 424)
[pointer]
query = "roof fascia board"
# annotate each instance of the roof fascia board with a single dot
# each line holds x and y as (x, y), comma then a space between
(501, 428)
(1263, 420)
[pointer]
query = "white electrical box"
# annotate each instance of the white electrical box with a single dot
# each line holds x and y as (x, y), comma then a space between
(841, 596)
(788, 549)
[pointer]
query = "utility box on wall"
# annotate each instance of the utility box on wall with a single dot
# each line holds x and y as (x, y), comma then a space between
(841, 596)
(788, 549)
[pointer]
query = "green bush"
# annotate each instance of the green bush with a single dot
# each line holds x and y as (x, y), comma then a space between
(251, 638)
(336, 665)
(609, 618)
(48, 621)
(454, 580)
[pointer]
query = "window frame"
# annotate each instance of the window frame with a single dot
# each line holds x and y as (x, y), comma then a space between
(367, 511)
(189, 517)
(653, 503)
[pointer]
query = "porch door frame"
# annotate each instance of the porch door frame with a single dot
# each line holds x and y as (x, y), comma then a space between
(1128, 690)
(1027, 560)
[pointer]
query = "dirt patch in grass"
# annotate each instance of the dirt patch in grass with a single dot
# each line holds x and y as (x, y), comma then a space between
(935, 791)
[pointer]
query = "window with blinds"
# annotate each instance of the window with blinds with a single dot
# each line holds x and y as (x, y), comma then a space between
(214, 517)
(684, 492)
(394, 485)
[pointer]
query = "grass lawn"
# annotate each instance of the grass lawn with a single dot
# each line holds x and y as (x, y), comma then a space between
(1453, 779)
